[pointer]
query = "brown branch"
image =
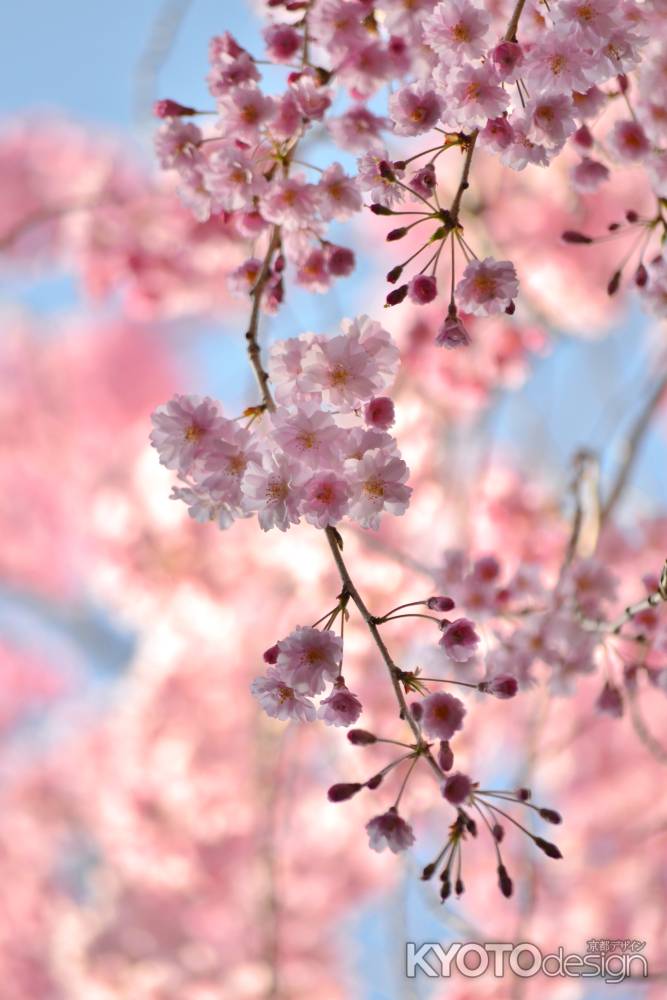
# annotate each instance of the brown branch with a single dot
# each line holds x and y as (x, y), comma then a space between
(632, 447)
(333, 537)
(254, 352)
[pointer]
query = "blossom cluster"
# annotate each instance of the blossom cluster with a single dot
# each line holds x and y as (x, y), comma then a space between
(242, 170)
(323, 454)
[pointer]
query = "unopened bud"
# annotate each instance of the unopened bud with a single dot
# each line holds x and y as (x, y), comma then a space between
(549, 849)
(440, 603)
(378, 209)
(339, 793)
(641, 276)
(374, 782)
(394, 274)
(396, 234)
(551, 816)
(397, 295)
(504, 881)
(361, 737)
(171, 109)
(614, 283)
(572, 236)
(270, 655)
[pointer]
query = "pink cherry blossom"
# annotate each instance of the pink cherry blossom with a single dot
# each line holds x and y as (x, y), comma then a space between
(588, 175)
(415, 109)
(281, 701)
(309, 435)
(422, 289)
(339, 196)
(389, 830)
(290, 202)
(308, 657)
(627, 141)
(556, 64)
(379, 412)
(184, 430)
(326, 498)
(487, 286)
(382, 188)
(282, 42)
(507, 58)
(243, 111)
(472, 95)
(457, 788)
(275, 490)
(442, 715)
(341, 707)
(460, 640)
(456, 30)
(452, 333)
(177, 143)
(552, 118)
(358, 130)
(378, 484)
(342, 370)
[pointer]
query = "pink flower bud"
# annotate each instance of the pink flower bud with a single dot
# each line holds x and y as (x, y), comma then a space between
(340, 260)
(610, 701)
(282, 41)
(171, 109)
(422, 289)
(271, 654)
(505, 58)
(445, 756)
(502, 686)
(379, 412)
(457, 788)
(452, 333)
(443, 604)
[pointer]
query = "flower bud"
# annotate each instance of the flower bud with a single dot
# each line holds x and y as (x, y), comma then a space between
(614, 283)
(339, 793)
(422, 289)
(396, 234)
(171, 109)
(397, 295)
(504, 881)
(375, 781)
(361, 737)
(440, 603)
(270, 655)
(445, 756)
(457, 788)
(551, 816)
(549, 849)
(572, 236)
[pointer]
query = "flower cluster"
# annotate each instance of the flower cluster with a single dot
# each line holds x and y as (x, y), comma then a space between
(322, 455)
(241, 170)
(299, 667)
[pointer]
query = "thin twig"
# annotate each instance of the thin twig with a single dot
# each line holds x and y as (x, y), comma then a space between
(254, 352)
